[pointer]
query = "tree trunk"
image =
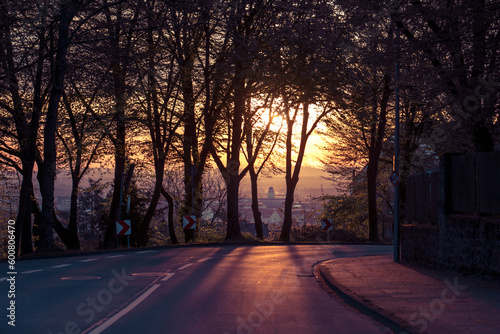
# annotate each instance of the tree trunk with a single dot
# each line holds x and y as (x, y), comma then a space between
(114, 211)
(49, 145)
(26, 130)
(233, 221)
(69, 238)
(291, 184)
(255, 205)
(233, 186)
(190, 142)
(23, 222)
(157, 134)
(120, 153)
(37, 218)
(187, 207)
(292, 174)
(72, 231)
(377, 134)
(144, 227)
(171, 229)
(372, 198)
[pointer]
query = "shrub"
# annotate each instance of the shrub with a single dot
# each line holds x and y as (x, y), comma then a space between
(210, 232)
(314, 233)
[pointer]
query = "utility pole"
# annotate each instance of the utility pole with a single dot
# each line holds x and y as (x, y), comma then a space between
(396, 155)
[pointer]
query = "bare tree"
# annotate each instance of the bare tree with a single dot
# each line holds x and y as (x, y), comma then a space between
(23, 98)
(51, 29)
(307, 74)
(119, 44)
(80, 139)
(161, 109)
(460, 39)
(262, 160)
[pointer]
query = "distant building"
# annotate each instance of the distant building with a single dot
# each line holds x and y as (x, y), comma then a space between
(276, 219)
(271, 208)
(270, 193)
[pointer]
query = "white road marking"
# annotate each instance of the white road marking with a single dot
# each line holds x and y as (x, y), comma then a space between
(167, 277)
(185, 266)
(3, 279)
(113, 256)
(62, 265)
(127, 309)
(205, 259)
(31, 271)
(146, 251)
(88, 260)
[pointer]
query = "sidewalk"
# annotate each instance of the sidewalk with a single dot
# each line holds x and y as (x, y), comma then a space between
(415, 300)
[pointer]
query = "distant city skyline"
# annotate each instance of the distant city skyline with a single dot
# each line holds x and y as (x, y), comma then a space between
(312, 183)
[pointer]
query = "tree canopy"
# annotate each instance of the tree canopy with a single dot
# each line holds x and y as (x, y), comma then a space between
(140, 86)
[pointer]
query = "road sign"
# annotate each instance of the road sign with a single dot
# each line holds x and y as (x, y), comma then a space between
(123, 227)
(193, 171)
(189, 222)
(326, 224)
(394, 178)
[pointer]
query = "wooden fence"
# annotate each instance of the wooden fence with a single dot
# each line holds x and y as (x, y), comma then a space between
(471, 186)
(488, 183)
(422, 194)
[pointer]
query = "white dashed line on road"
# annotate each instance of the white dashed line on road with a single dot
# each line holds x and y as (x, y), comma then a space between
(205, 259)
(185, 266)
(62, 265)
(147, 251)
(169, 275)
(113, 256)
(31, 271)
(127, 309)
(88, 260)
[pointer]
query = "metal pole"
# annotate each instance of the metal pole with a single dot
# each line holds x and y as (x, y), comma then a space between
(194, 171)
(396, 156)
(120, 208)
(192, 188)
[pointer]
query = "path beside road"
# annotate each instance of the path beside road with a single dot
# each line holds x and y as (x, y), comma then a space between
(413, 299)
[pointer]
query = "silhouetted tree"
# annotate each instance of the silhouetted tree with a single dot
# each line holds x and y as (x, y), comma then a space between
(307, 73)
(460, 39)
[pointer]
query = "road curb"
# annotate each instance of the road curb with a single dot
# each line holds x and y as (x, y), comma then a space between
(365, 306)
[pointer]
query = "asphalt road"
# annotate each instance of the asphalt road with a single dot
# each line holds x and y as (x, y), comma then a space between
(229, 289)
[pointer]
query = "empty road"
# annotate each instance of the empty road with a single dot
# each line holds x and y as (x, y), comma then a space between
(219, 289)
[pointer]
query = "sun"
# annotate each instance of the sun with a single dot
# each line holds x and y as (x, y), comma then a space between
(271, 115)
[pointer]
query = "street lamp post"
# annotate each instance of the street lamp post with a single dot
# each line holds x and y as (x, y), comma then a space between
(396, 156)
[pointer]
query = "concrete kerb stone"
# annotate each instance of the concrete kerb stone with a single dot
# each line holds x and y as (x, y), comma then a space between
(364, 306)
